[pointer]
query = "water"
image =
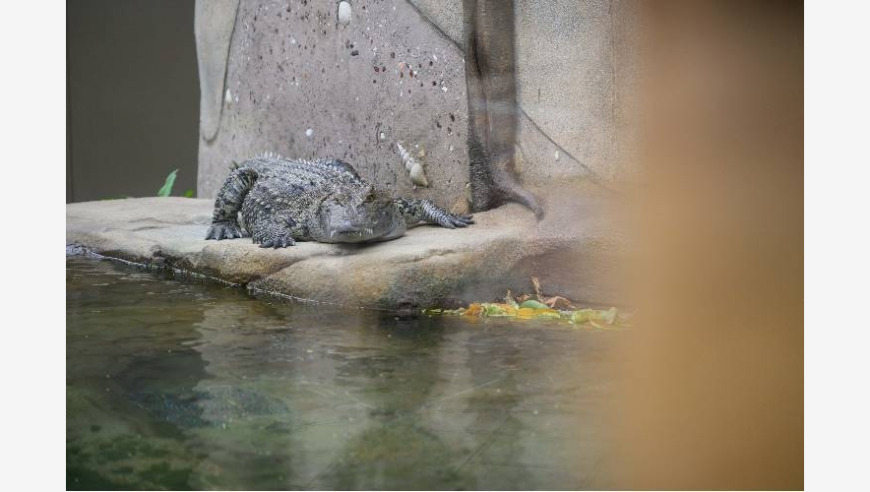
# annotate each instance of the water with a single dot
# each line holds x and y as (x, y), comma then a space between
(181, 385)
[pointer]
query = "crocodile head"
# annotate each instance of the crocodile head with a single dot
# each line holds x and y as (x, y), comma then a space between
(357, 215)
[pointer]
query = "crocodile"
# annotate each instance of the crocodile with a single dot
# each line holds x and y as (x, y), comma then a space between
(325, 200)
(491, 81)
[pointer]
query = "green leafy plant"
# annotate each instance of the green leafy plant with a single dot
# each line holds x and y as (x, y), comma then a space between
(166, 190)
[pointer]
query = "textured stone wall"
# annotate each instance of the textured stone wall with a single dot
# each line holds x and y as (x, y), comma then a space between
(575, 76)
(300, 82)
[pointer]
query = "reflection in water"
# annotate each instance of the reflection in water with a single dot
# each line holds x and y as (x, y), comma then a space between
(174, 385)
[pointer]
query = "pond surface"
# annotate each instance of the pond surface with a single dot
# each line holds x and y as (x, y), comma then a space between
(185, 385)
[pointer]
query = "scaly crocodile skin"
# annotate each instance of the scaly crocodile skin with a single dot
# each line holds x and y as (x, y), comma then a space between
(283, 201)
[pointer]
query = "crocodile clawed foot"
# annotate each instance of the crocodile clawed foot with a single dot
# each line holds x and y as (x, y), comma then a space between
(223, 230)
(458, 220)
(437, 215)
(277, 242)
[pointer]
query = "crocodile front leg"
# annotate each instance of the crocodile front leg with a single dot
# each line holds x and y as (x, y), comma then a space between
(225, 223)
(417, 212)
(271, 228)
(273, 236)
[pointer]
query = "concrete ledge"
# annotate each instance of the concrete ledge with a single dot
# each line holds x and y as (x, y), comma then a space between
(429, 266)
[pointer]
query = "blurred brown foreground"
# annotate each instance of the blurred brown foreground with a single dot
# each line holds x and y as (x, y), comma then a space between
(714, 369)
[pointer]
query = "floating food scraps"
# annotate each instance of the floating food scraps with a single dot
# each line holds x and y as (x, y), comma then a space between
(532, 309)
(558, 302)
(537, 285)
(537, 306)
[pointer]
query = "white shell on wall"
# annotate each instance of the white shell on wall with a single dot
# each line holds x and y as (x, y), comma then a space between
(344, 13)
(414, 168)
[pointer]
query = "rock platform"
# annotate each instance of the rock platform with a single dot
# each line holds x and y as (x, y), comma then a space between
(429, 266)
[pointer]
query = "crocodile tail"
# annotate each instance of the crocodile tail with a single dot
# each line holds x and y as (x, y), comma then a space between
(516, 193)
